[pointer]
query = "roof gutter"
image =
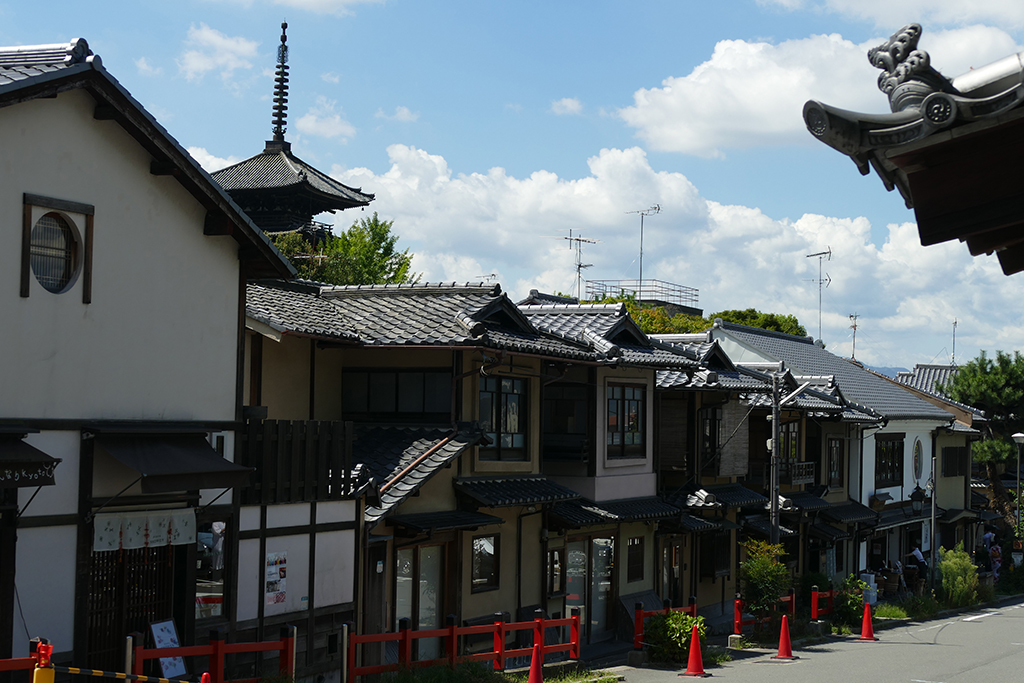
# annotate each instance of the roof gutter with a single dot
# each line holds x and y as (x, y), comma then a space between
(408, 468)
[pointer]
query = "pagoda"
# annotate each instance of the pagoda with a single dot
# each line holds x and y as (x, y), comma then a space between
(279, 191)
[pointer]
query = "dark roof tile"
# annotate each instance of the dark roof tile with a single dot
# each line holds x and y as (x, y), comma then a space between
(498, 492)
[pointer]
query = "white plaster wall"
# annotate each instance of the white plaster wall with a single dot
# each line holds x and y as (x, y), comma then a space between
(250, 578)
(297, 587)
(294, 514)
(158, 340)
(913, 431)
(335, 511)
(45, 579)
(62, 497)
(335, 567)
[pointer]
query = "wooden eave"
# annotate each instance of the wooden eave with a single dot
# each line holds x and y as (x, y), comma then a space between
(964, 184)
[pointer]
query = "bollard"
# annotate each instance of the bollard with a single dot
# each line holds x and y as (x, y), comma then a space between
(814, 603)
(43, 673)
(638, 625)
(574, 633)
(405, 644)
(451, 623)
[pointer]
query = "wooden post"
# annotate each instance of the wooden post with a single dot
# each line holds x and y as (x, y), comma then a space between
(453, 640)
(792, 603)
(737, 616)
(405, 643)
(286, 663)
(574, 633)
(638, 625)
(216, 656)
(348, 662)
(693, 606)
(499, 641)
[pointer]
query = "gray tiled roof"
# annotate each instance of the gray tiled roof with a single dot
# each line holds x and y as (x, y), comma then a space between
(571, 320)
(273, 169)
(850, 512)
(736, 495)
(806, 502)
(762, 525)
(687, 523)
(296, 310)
(30, 61)
(927, 377)
(388, 451)
(654, 357)
(803, 356)
(827, 532)
(499, 492)
(582, 512)
(716, 380)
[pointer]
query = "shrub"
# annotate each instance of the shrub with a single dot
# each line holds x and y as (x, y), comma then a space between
(668, 636)
(921, 607)
(889, 610)
(849, 602)
(959, 577)
(763, 578)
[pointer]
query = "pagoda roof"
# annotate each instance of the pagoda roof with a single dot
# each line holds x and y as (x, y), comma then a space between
(276, 168)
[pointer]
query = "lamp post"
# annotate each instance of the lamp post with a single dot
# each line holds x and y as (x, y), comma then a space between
(917, 500)
(1019, 438)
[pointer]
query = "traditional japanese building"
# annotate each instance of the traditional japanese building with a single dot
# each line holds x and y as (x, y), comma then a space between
(278, 190)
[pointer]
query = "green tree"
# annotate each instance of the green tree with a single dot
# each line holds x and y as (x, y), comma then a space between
(752, 317)
(996, 386)
(656, 320)
(365, 254)
(763, 578)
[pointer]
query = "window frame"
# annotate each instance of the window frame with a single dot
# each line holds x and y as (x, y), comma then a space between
(394, 413)
(499, 411)
(494, 581)
(622, 413)
(635, 559)
(83, 235)
(889, 457)
(710, 422)
(835, 449)
(956, 461)
(555, 582)
(716, 554)
(555, 416)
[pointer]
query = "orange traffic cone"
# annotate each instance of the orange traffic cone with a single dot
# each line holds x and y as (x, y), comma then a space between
(785, 648)
(536, 666)
(866, 630)
(695, 667)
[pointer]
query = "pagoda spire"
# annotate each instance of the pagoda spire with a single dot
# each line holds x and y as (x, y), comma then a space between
(281, 87)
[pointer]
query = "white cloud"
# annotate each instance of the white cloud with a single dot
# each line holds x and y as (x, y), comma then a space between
(751, 94)
(322, 121)
(461, 226)
(210, 50)
(566, 105)
(336, 7)
(331, 77)
(210, 162)
(146, 69)
(892, 15)
(403, 114)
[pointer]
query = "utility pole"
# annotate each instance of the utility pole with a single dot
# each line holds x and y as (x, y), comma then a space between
(776, 412)
(656, 209)
(952, 357)
(822, 256)
(853, 351)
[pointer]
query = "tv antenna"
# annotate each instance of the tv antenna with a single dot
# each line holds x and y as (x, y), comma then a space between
(490, 277)
(651, 211)
(576, 243)
(826, 280)
(952, 357)
(853, 326)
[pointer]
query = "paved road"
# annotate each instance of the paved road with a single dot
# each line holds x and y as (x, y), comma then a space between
(971, 647)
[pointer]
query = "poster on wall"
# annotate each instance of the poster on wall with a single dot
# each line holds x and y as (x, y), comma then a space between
(165, 635)
(274, 587)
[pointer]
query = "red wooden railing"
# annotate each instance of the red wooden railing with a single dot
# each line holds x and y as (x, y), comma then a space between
(217, 650)
(738, 622)
(640, 614)
(24, 663)
(500, 629)
(828, 596)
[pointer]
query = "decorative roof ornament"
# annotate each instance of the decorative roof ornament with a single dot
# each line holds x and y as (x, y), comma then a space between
(281, 87)
(907, 75)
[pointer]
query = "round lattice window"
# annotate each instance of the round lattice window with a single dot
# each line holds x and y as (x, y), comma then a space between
(53, 252)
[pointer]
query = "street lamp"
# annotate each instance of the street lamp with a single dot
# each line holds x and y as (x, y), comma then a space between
(1019, 438)
(917, 499)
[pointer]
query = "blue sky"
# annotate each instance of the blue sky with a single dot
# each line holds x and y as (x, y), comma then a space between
(486, 128)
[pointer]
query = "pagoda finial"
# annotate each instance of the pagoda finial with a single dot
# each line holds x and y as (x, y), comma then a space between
(281, 86)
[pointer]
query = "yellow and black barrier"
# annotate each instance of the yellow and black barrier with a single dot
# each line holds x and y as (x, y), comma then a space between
(113, 674)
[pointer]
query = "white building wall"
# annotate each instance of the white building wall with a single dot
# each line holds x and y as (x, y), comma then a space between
(159, 339)
(45, 581)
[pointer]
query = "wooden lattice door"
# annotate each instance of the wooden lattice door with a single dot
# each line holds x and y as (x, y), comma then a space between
(128, 590)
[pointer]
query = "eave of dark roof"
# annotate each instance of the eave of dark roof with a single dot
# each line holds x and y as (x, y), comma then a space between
(806, 502)
(688, 524)
(736, 495)
(42, 78)
(762, 525)
(827, 532)
(850, 512)
(499, 492)
(426, 522)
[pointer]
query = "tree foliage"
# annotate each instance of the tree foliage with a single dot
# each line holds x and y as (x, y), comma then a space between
(365, 254)
(656, 320)
(996, 386)
(764, 579)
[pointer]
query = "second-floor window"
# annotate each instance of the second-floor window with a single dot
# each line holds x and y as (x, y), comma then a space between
(503, 418)
(835, 463)
(626, 421)
(565, 422)
(405, 394)
(888, 460)
(710, 433)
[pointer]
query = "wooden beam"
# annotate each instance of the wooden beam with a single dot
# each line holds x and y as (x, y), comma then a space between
(1012, 260)
(104, 112)
(216, 223)
(163, 167)
(994, 240)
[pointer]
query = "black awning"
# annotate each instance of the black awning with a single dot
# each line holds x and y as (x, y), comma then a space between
(444, 520)
(24, 465)
(174, 462)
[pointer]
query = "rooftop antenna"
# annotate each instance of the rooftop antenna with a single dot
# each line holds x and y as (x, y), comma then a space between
(576, 243)
(822, 256)
(656, 209)
(952, 357)
(281, 86)
(853, 352)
